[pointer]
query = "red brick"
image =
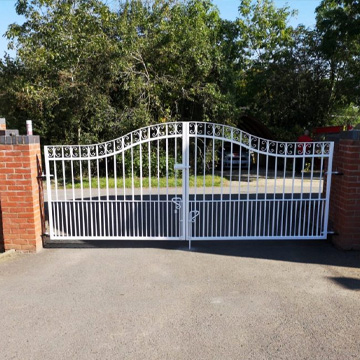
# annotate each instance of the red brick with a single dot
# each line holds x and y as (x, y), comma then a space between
(345, 194)
(19, 196)
(7, 171)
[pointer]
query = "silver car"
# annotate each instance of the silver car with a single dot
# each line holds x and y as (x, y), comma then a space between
(237, 157)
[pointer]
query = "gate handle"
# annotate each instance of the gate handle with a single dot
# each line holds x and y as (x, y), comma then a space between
(177, 201)
(193, 215)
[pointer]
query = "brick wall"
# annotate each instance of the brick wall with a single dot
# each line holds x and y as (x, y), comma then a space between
(19, 193)
(344, 213)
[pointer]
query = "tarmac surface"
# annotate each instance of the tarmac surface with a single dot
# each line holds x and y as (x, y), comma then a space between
(152, 300)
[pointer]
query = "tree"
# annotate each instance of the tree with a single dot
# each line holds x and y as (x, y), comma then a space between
(338, 22)
(86, 73)
(172, 69)
(65, 62)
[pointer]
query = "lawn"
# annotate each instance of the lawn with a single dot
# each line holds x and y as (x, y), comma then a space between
(162, 183)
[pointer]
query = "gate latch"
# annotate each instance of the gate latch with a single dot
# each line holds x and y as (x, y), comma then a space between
(193, 215)
(177, 201)
(181, 167)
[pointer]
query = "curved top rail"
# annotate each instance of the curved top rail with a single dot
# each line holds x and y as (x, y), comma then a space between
(145, 134)
(258, 144)
(175, 129)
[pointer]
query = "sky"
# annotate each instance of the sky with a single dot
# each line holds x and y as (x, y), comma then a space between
(228, 10)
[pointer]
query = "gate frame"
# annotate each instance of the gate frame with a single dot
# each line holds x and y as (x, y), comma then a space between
(185, 136)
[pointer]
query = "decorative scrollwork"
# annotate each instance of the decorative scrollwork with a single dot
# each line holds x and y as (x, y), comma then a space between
(281, 149)
(290, 149)
(175, 129)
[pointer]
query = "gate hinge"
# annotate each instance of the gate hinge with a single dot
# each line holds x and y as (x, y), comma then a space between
(335, 173)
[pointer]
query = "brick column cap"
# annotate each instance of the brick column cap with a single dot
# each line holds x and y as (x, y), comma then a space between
(19, 140)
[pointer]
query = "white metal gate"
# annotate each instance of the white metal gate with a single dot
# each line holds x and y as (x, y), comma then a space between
(189, 181)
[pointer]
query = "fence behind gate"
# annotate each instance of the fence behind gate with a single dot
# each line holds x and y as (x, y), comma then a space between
(189, 181)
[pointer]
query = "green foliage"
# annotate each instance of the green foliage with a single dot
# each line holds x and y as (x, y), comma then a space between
(263, 28)
(86, 73)
(347, 115)
(161, 165)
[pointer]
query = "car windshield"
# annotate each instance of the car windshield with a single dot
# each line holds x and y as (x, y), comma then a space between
(236, 149)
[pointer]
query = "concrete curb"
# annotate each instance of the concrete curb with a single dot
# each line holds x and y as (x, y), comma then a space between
(7, 253)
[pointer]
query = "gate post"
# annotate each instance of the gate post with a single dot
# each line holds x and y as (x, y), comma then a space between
(20, 157)
(344, 215)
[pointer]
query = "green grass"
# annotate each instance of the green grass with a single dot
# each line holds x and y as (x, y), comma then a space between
(145, 182)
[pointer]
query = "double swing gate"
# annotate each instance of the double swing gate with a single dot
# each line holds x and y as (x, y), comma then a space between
(189, 181)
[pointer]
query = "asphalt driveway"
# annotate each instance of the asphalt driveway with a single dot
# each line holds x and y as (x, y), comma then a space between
(241, 300)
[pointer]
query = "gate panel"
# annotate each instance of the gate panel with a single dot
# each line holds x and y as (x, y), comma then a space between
(123, 189)
(252, 188)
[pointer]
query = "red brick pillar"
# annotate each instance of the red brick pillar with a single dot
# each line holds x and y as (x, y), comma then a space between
(19, 192)
(344, 213)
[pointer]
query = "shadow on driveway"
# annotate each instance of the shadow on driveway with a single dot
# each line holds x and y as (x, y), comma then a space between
(347, 282)
(308, 252)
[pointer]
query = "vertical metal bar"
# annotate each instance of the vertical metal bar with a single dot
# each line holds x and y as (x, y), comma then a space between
(100, 233)
(204, 189)
(99, 192)
(292, 189)
(322, 218)
(111, 204)
(92, 207)
(242, 217)
(310, 192)
(213, 217)
(117, 220)
(133, 217)
(283, 194)
(296, 202)
(301, 189)
(141, 193)
(150, 196)
(252, 230)
(107, 194)
(73, 225)
(208, 222)
(159, 215)
(65, 193)
(256, 228)
(166, 233)
(124, 186)
(328, 187)
(195, 178)
(231, 170)
(176, 191)
(56, 194)
(266, 220)
(222, 181)
(239, 186)
(318, 230)
(82, 195)
(185, 181)
(248, 192)
(48, 187)
(275, 203)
